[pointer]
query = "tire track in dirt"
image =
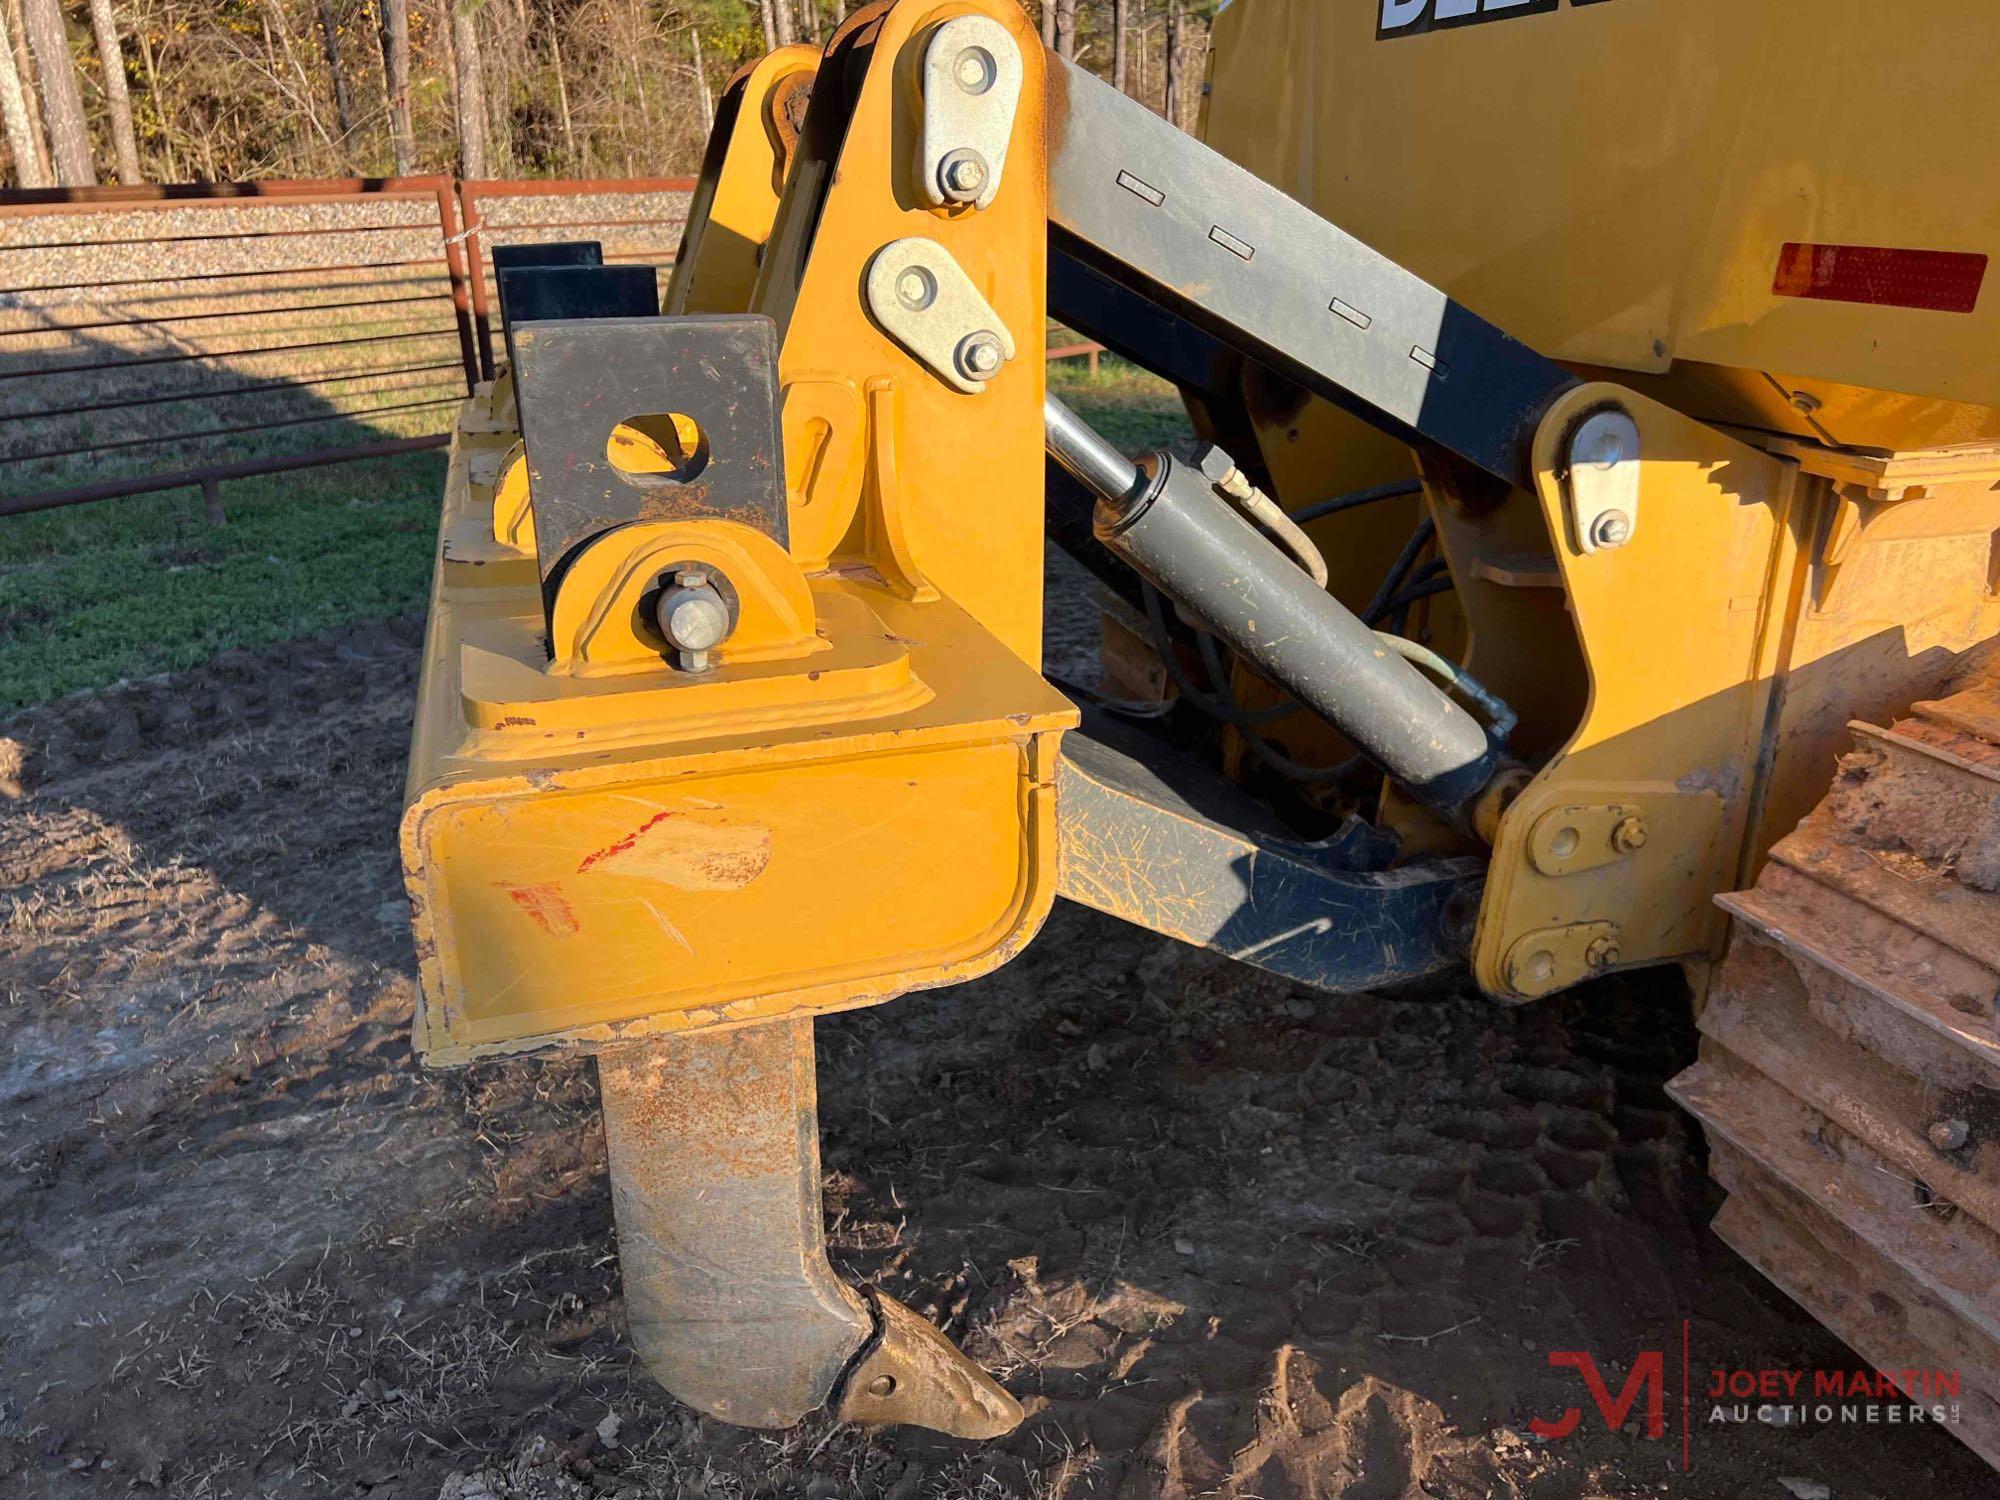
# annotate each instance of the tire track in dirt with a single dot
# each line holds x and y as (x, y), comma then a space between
(1221, 1235)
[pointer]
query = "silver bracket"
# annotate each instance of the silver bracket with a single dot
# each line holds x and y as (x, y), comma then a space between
(972, 84)
(1602, 480)
(924, 301)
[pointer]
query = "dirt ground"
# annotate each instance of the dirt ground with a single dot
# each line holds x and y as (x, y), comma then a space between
(1221, 1235)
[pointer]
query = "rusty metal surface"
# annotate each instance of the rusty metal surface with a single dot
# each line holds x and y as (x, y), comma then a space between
(912, 1375)
(1849, 1077)
(576, 382)
(714, 1156)
(1153, 837)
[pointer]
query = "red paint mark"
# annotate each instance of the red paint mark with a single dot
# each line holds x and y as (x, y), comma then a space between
(630, 841)
(545, 907)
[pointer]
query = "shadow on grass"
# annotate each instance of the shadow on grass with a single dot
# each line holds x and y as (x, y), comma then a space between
(122, 588)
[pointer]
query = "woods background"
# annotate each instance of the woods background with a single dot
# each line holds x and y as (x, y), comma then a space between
(221, 90)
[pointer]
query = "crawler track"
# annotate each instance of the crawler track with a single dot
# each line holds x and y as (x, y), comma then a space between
(1849, 1075)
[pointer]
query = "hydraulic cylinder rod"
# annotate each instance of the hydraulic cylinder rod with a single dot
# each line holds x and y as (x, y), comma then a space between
(1165, 519)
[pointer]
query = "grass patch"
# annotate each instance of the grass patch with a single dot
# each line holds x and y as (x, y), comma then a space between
(127, 588)
(1135, 410)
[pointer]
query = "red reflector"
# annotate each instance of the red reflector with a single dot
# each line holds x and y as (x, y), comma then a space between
(1930, 280)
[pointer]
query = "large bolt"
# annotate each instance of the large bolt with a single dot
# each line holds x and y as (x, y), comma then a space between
(694, 618)
(1629, 836)
(1949, 1135)
(916, 288)
(980, 355)
(1612, 529)
(1602, 953)
(963, 174)
(975, 70)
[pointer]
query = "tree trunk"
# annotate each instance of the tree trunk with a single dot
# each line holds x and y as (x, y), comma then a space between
(116, 96)
(472, 124)
(787, 28)
(21, 128)
(161, 108)
(768, 16)
(1171, 105)
(1048, 23)
(1066, 29)
(395, 17)
(1121, 37)
(809, 20)
(343, 102)
(701, 84)
(24, 68)
(562, 91)
(62, 102)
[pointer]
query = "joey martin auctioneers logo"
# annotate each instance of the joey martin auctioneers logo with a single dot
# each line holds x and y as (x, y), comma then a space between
(1415, 17)
(1718, 1395)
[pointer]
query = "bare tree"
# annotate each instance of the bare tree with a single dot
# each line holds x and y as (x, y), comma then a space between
(116, 96)
(1121, 39)
(1066, 29)
(62, 101)
(24, 68)
(343, 102)
(472, 123)
(395, 18)
(784, 23)
(562, 91)
(1048, 10)
(809, 20)
(21, 127)
(768, 16)
(701, 83)
(1176, 47)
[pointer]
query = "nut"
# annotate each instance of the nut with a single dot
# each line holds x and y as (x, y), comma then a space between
(1602, 953)
(980, 355)
(963, 175)
(1949, 1135)
(1629, 836)
(694, 618)
(1612, 529)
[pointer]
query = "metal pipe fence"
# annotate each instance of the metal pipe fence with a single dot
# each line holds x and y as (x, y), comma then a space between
(167, 336)
(162, 336)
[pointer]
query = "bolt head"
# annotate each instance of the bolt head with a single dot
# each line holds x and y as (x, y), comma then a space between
(975, 70)
(1602, 953)
(963, 174)
(694, 618)
(882, 1385)
(980, 355)
(1949, 1135)
(916, 288)
(1628, 836)
(1612, 529)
